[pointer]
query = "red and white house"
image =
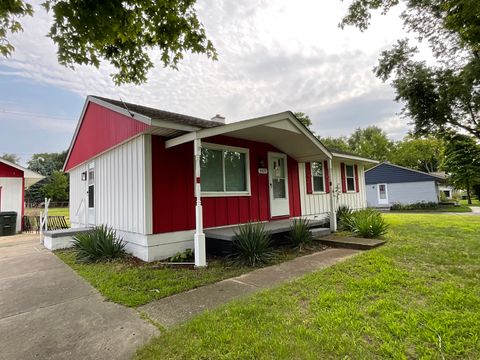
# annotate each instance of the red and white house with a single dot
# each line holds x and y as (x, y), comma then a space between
(14, 180)
(160, 178)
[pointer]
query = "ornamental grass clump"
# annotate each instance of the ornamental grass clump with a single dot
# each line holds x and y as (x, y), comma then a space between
(345, 218)
(368, 223)
(300, 234)
(252, 245)
(100, 244)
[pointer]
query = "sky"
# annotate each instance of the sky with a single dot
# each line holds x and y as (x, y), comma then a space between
(274, 55)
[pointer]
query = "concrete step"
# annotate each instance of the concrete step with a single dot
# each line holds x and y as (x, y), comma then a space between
(319, 232)
(350, 242)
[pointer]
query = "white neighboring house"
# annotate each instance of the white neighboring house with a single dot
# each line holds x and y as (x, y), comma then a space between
(160, 178)
(388, 184)
(14, 180)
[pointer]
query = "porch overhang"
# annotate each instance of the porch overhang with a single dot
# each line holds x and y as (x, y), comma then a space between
(283, 131)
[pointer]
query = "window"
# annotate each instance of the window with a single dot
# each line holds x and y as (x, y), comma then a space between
(224, 170)
(318, 179)
(350, 175)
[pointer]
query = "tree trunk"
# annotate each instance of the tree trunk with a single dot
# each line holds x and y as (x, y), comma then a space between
(469, 197)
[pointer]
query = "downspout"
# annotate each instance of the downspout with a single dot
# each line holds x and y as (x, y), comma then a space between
(199, 237)
(333, 207)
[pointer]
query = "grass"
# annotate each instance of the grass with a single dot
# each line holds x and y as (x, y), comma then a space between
(475, 202)
(418, 296)
(51, 212)
(132, 282)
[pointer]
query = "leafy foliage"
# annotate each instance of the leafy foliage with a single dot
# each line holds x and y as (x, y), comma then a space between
(303, 118)
(300, 234)
(339, 143)
(252, 245)
(13, 158)
(46, 163)
(368, 223)
(371, 142)
(99, 244)
(57, 187)
(344, 214)
(184, 256)
(10, 11)
(462, 162)
(415, 206)
(444, 97)
(424, 154)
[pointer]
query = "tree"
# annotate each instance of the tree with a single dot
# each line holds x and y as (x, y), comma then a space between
(424, 154)
(57, 187)
(339, 143)
(445, 97)
(462, 162)
(120, 32)
(13, 158)
(303, 118)
(371, 142)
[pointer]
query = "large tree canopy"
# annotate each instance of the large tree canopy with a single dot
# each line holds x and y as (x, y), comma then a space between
(371, 142)
(424, 154)
(120, 32)
(445, 96)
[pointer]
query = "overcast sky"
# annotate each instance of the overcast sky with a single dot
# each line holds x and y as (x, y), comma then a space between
(274, 55)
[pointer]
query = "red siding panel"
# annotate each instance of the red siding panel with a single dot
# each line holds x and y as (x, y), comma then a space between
(344, 178)
(10, 171)
(100, 130)
(173, 183)
(327, 176)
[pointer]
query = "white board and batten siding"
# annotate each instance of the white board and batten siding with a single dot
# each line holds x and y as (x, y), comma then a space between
(11, 197)
(318, 205)
(122, 182)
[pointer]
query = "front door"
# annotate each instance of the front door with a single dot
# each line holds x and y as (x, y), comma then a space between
(382, 194)
(278, 183)
(91, 194)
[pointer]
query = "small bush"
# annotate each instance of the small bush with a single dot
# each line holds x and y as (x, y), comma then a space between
(344, 218)
(300, 234)
(368, 223)
(99, 244)
(415, 206)
(252, 245)
(183, 256)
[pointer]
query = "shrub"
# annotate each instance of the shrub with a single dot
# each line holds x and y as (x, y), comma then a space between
(300, 234)
(251, 245)
(368, 223)
(344, 218)
(99, 244)
(415, 206)
(183, 256)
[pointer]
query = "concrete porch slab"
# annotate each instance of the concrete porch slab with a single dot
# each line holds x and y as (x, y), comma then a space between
(350, 242)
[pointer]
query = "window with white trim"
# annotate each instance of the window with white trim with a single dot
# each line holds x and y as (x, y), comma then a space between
(350, 177)
(318, 177)
(224, 170)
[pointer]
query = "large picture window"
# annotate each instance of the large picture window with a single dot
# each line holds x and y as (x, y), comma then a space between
(318, 178)
(224, 170)
(350, 176)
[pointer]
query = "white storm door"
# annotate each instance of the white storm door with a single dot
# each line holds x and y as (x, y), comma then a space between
(91, 194)
(278, 184)
(382, 194)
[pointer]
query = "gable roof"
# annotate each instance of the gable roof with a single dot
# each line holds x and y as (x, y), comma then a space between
(31, 177)
(156, 114)
(391, 173)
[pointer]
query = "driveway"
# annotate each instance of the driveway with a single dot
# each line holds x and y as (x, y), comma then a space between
(48, 312)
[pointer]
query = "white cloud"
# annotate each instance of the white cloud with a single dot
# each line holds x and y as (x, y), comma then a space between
(274, 55)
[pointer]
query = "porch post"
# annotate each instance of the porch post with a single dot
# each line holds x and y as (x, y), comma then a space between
(333, 206)
(199, 237)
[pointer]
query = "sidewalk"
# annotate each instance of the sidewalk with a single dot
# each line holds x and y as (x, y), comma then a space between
(181, 307)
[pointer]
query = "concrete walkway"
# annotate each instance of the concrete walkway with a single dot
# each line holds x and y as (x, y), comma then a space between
(47, 311)
(181, 307)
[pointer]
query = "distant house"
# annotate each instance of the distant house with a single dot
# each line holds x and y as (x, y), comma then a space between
(388, 184)
(14, 180)
(160, 178)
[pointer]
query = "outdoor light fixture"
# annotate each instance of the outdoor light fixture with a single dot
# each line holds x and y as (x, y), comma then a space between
(84, 176)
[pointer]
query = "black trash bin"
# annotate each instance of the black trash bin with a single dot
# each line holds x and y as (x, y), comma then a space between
(8, 223)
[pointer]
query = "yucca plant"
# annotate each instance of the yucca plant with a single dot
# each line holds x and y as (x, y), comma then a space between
(368, 223)
(252, 245)
(300, 234)
(344, 218)
(99, 244)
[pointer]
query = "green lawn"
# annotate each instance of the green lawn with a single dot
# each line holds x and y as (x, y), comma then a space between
(52, 212)
(418, 296)
(132, 282)
(475, 202)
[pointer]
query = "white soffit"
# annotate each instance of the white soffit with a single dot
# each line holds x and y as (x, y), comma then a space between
(284, 125)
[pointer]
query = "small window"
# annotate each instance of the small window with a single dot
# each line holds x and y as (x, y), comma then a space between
(350, 175)
(224, 170)
(318, 179)
(91, 187)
